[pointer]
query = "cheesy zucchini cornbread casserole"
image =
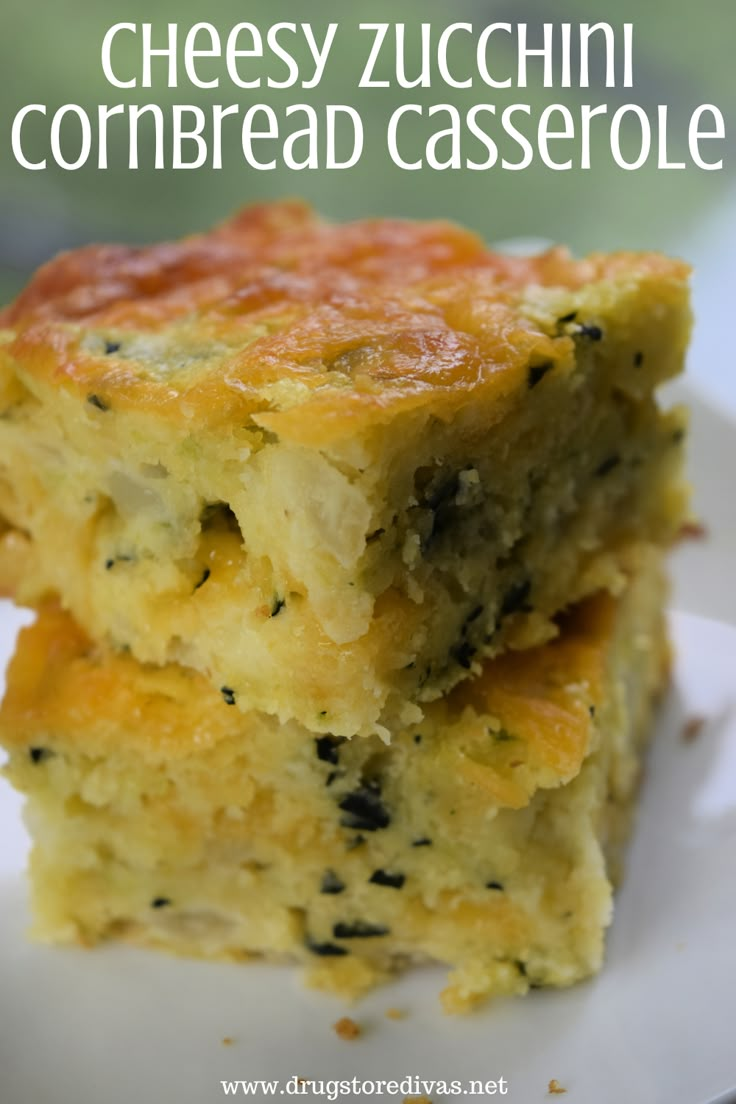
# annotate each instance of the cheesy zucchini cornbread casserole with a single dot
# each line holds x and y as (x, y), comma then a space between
(334, 467)
(484, 838)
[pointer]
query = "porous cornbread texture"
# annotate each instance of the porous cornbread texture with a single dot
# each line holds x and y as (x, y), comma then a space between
(483, 838)
(334, 467)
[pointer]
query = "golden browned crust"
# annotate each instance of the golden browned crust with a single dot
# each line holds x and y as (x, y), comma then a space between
(60, 681)
(362, 320)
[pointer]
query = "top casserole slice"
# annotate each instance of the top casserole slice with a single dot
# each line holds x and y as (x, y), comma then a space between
(333, 467)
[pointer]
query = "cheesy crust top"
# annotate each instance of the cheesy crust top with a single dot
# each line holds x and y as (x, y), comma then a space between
(310, 330)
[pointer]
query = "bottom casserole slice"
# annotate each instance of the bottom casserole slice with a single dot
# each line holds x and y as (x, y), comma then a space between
(487, 838)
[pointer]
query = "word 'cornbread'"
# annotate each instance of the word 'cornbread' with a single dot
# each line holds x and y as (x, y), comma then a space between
(334, 467)
(483, 838)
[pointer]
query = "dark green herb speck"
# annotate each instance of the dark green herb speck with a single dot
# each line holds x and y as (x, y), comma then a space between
(160, 902)
(327, 748)
(359, 930)
(595, 333)
(502, 735)
(364, 809)
(423, 842)
(515, 598)
(40, 754)
(384, 878)
(463, 653)
(111, 347)
(441, 501)
(494, 885)
(537, 372)
(228, 695)
(331, 883)
(120, 558)
(443, 492)
(205, 576)
(277, 605)
(608, 464)
(326, 950)
(96, 401)
(426, 676)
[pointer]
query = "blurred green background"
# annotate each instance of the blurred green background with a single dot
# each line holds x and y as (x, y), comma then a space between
(50, 54)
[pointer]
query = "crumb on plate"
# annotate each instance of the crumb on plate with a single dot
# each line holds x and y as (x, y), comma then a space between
(347, 1028)
(693, 530)
(692, 728)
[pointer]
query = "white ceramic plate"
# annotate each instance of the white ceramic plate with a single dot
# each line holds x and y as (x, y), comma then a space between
(658, 1026)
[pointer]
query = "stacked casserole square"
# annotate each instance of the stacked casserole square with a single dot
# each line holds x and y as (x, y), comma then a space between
(347, 544)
